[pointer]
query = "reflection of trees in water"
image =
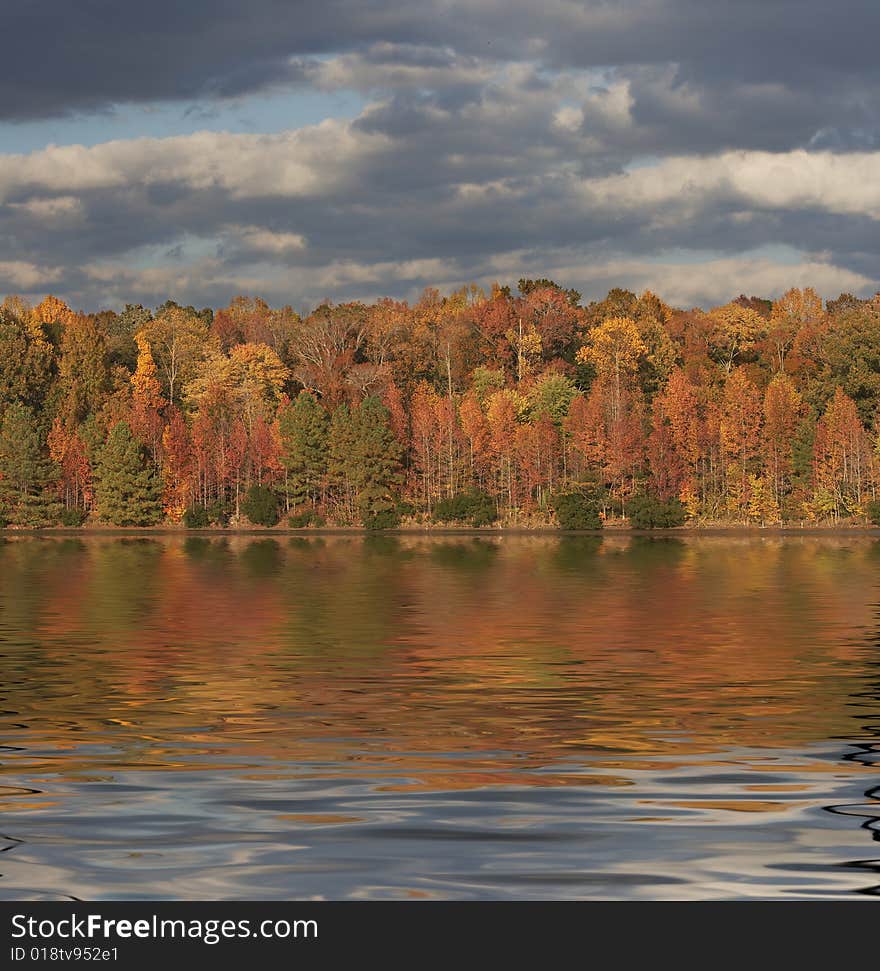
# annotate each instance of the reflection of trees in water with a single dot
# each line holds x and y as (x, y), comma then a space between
(867, 753)
(699, 672)
(538, 649)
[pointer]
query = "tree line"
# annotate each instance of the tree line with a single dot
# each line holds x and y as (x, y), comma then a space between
(521, 407)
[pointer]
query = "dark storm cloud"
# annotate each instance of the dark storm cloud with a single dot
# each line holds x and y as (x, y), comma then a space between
(65, 57)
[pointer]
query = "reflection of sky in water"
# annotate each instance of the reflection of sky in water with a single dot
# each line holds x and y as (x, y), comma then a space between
(518, 717)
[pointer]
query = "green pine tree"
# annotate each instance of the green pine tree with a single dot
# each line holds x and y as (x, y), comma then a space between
(375, 463)
(304, 436)
(27, 474)
(128, 489)
(340, 469)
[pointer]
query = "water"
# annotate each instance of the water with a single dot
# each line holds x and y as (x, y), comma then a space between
(504, 717)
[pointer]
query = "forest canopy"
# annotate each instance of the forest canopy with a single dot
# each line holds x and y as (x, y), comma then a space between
(520, 406)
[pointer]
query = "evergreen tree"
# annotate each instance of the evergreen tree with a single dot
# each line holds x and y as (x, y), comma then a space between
(128, 490)
(340, 469)
(260, 505)
(27, 474)
(304, 436)
(375, 463)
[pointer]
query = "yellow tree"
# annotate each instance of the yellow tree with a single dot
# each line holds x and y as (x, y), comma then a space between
(50, 314)
(146, 400)
(734, 331)
(782, 412)
(179, 340)
(842, 458)
(614, 349)
(652, 317)
(477, 434)
(258, 374)
(526, 343)
(741, 416)
(763, 507)
(177, 467)
(792, 312)
(83, 378)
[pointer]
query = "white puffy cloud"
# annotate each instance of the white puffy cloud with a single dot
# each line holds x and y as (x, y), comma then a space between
(309, 161)
(26, 277)
(825, 181)
(263, 240)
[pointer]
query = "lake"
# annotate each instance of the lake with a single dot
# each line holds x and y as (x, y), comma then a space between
(461, 717)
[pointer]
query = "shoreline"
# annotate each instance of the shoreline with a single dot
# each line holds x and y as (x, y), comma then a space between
(442, 531)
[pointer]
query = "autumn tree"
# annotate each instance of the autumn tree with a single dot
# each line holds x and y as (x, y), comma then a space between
(83, 375)
(841, 459)
(179, 340)
(549, 313)
(734, 332)
(741, 417)
(617, 303)
(146, 401)
(794, 311)
(661, 354)
(477, 434)
(240, 321)
(26, 363)
(426, 441)
(522, 396)
(763, 507)
(177, 466)
(327, 349)
(680, 418)
(614, 348)
(70, 453)
(586, 430)
(538, 458)
(495, 318)
(668, 466)
(782, 415)
(849, 358)
(501, 415)
(49, 318)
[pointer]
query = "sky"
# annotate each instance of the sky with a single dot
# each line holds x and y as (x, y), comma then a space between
(350, 149)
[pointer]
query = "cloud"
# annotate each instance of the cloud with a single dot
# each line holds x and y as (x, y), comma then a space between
(792, 60)
(52, 207)
(259, 240)
(587, 136)
(307, 161)
(386, 66)
(26, 277)
(345, 208)
(790, 180)
(716, 281)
